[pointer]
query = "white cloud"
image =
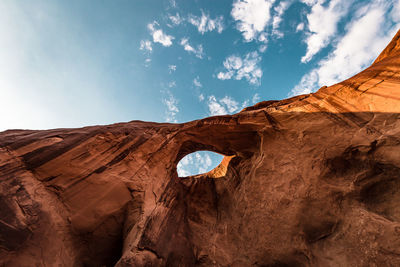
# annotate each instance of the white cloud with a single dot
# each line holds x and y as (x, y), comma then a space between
(251, 16)
(230, 104)
(322, 25)
(351, 55)
(145, 45)
(204, 162)
(182, 172)
(311, 2)
(171, 68)
(233, 62)
(176, 20)
(256, 98)
(159, 36)
(245, 103)
(171, 84)
(307, 84)
(247, 68)
(223, 106)
(262, 48)
(147, 62)
(225, 75)
(215, 107)
(173, 3)
(263, 37)
(395, 14)
(201, 97)
(205, 23)
(196, 82)
(277, 19)
(300, 27)
(171, 104)
(187, 160)
(198, 52)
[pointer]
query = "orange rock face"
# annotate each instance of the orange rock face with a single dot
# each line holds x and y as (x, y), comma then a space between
(309, 181)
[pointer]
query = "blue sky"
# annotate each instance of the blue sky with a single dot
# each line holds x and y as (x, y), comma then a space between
(75, 63)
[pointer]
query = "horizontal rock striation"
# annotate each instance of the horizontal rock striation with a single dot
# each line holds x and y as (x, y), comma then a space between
(313, 180)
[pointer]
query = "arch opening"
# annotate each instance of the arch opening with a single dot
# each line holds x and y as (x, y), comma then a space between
(199, 162)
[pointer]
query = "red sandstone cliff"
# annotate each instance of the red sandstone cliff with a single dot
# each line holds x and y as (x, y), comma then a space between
(309, 181)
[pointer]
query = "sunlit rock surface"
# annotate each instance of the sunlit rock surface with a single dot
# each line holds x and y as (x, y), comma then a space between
(309, 181)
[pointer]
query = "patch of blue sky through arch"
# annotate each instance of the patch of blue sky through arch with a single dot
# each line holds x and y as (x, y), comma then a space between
(198, 163)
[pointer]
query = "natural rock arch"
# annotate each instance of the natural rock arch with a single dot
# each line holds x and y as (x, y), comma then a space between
(312, 181)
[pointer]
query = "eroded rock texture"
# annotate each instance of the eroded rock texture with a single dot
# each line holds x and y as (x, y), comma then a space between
(309, 181)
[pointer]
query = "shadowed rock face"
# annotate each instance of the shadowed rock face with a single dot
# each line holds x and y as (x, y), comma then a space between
(309, 181)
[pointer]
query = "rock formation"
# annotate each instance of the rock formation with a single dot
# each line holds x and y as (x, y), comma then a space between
(313, 180)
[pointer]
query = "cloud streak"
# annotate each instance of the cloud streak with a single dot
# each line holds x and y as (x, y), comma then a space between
(159, 36)
(146, 45)
(277, 19)
(205, 23)
(176, 19)
(322, 25)
(172, 109)
(251, 17)
(350, 55)
(238, 68)
(171, 68)
(223, 106)
(198, 51)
